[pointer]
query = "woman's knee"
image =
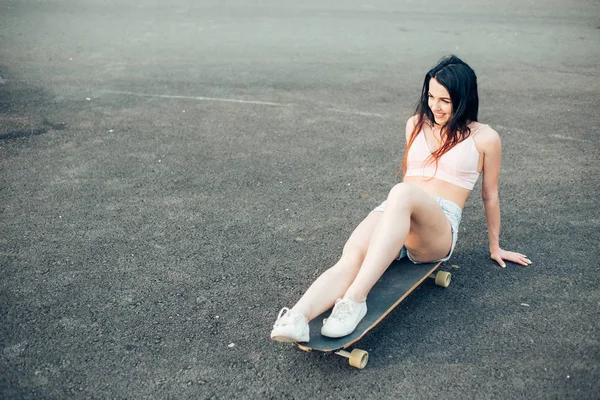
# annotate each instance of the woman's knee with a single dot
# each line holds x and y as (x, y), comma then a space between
(402, 194)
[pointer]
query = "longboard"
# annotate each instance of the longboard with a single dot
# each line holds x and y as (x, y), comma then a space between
(397, 282)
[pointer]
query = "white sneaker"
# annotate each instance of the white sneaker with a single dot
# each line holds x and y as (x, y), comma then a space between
(290, 327)
(344, 318)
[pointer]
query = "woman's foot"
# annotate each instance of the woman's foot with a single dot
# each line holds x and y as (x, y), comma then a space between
(290, 327)
(344, 318)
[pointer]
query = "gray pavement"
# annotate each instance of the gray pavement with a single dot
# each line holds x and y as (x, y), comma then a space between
(173, 174)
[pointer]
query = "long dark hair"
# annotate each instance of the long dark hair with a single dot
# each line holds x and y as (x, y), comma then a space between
(461, 83)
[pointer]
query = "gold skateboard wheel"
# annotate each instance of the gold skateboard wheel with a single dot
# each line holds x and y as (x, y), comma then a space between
(358, 358)
(442, 278)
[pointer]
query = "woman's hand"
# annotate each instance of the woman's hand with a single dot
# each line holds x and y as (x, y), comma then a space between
(500, 255)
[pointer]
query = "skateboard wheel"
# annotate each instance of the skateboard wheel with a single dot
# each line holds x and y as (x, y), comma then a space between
(442, 278)
(358, 358)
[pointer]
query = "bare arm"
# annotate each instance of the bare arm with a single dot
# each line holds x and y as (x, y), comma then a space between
(492, 157)
(489, 141)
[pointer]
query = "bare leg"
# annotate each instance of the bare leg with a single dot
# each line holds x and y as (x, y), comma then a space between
(334, 282)
(413, 217)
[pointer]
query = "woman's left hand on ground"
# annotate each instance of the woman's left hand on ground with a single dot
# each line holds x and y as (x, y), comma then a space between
(501, 255)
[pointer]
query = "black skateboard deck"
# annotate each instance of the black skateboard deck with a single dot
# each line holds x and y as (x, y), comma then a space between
(397, 282)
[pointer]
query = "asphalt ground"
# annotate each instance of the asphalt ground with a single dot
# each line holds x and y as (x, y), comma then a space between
(174, 174)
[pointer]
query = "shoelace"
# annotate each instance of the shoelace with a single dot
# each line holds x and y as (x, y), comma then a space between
(343, 309)
(283, 317)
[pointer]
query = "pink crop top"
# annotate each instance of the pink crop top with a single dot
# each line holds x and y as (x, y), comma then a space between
(458, 166)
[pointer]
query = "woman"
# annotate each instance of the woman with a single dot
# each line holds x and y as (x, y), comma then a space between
(447, 149)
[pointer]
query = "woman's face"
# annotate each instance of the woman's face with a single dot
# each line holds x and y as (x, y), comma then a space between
(439, 102)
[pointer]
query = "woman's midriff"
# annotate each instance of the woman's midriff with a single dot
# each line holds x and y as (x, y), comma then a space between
(439, 188)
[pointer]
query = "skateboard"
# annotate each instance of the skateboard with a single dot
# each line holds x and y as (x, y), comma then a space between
(397, 282)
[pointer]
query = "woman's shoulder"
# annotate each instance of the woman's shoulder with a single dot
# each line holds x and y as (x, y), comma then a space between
(412, 121)
(410, 126)
(477, 126)
(485, 136)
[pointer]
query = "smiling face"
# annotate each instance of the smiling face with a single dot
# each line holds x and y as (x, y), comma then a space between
(439, 102)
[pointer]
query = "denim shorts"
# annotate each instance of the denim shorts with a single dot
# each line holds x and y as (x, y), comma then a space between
(453, 213)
